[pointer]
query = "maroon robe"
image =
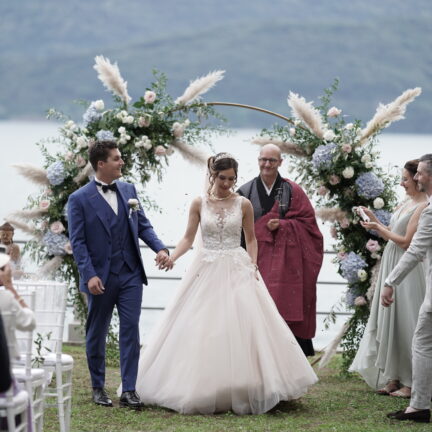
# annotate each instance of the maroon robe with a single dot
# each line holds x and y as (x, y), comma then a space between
(290, 259)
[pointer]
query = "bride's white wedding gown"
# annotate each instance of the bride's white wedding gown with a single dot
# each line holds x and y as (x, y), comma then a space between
(221, 344)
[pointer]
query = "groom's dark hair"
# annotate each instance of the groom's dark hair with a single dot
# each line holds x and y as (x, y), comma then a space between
(99, 151)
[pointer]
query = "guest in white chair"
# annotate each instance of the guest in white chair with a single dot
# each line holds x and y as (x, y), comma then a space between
(12, 303)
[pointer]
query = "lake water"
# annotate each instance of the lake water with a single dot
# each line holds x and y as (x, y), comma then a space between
(181, 183)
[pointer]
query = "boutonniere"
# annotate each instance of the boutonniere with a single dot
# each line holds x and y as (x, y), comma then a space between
(133, 205)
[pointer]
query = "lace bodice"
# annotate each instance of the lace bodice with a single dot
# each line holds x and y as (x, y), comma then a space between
(221, 223)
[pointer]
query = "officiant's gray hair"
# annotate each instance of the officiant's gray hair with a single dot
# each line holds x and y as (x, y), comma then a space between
(99, 151)
(428, 159)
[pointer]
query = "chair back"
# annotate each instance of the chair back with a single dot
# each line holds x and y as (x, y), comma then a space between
(9, 324)
(50, 310)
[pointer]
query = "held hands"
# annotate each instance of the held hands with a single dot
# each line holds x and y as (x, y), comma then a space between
(163, 261)
(95, 286)
(387, 296)
(273, 224)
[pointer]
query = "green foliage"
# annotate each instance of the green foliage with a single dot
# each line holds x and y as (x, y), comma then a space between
(41, 350)
(337, 193)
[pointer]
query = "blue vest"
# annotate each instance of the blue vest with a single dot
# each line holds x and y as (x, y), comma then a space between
(123, 246)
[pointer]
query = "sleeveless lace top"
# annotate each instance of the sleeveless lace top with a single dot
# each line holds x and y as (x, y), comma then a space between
(221, 223)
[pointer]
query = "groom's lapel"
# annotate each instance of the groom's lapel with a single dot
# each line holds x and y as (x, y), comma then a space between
(99, 204)
(123, 197)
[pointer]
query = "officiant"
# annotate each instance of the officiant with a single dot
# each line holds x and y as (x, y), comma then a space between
(290, 244)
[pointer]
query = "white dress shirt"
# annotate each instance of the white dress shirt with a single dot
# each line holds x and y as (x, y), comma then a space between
(109, 196)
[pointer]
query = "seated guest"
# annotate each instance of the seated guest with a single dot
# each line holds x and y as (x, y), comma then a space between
(5, 376)
(12, 302)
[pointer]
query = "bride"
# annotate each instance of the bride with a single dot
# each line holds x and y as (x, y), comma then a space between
(221, 344)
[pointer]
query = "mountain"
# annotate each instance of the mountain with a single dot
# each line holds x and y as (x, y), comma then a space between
(376, 49)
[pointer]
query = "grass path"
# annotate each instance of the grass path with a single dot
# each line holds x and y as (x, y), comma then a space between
(334, 404)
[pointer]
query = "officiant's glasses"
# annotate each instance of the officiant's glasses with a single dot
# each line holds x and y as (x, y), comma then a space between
(272, 161)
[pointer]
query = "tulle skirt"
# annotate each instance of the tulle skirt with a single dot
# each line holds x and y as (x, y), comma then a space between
(221, 344)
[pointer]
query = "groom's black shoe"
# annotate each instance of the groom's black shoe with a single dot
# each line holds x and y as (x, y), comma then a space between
(422, 416)
(130, 399)
(100, 397)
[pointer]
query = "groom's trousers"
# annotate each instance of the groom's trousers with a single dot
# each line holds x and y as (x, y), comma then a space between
(125, 292)
(422, 362)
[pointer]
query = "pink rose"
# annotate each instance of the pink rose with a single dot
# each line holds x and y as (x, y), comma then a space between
(149, 96)
(322, 190)
(346, 148)
(44, 204)
(334, 179)
(160, 150)
(333, 112)
(144, 121)
(80, 161)
(344, 223)
(360, 301)
(57, 227)
(341, 255)
(373, 246)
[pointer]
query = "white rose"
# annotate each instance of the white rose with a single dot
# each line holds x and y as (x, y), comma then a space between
(362, 274)
(186, 123)
(329, 135)
(349, 126)
(147, 145)
(348, 172)
(292, 131)
(82, 142)
(119, 116)
(365, 158)
(368, 165)
(178, 131)
(121, 130)
(99, 104)
(128, 119)
(149, 96)
(70, 124)
(333, 112)
(378, 203)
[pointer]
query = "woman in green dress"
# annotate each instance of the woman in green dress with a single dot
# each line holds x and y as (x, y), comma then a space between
(384, 355)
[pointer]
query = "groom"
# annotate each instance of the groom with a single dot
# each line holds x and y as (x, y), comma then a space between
(105, 221)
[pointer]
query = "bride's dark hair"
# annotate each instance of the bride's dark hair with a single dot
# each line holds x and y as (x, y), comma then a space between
(411, 167)
(217, 163)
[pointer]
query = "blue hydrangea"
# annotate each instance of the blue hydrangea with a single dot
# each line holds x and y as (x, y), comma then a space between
(369, 185)
(323, 156)
(384, 217)
(351, 295)
(105, 135)
(55, 243)
(351, 265)
(91, 115)
(56, 173)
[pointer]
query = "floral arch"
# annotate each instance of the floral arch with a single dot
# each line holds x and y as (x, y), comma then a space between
(336, 162)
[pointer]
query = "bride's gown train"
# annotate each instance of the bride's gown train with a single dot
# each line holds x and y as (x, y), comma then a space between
(221, 344)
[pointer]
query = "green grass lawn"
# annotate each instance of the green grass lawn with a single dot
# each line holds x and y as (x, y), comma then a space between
(334, 404)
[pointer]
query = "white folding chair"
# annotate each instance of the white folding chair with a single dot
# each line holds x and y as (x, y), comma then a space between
(13, 411)
(50, 310)
(34, 379)
(13, 407)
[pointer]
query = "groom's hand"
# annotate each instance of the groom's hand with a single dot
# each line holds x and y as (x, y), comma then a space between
(162, 259)
(387, 296)
(95, 286)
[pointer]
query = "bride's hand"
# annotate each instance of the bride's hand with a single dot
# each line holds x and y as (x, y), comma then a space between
(167, 265)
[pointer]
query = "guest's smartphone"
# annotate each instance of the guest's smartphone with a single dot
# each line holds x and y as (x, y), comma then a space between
(363, 215)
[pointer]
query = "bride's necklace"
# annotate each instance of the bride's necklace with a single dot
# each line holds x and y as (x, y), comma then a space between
(212, 195)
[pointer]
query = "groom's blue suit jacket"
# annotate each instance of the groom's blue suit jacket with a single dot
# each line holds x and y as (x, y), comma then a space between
(90, 233)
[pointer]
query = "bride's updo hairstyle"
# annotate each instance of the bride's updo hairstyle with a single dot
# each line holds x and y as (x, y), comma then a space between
(218, 163)
(411, 167)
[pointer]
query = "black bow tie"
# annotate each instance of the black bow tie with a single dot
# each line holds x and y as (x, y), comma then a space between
(105, 188)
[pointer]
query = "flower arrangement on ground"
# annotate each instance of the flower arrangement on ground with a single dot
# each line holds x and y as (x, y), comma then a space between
(336, 162)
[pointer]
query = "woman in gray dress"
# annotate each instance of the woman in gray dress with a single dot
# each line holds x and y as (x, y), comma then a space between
(384, 355)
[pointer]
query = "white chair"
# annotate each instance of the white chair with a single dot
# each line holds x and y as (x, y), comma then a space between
(14, 404)
(50, 310)
(14, 408)
(34, 379)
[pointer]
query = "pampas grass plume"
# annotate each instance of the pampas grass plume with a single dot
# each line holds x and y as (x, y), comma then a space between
(191, 154)
(284, 146)
(199, 87)
(32, 173)
(333, 214)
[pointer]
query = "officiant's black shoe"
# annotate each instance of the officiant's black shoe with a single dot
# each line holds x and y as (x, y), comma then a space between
(131, 400)
(422, 416)
(100, 397)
